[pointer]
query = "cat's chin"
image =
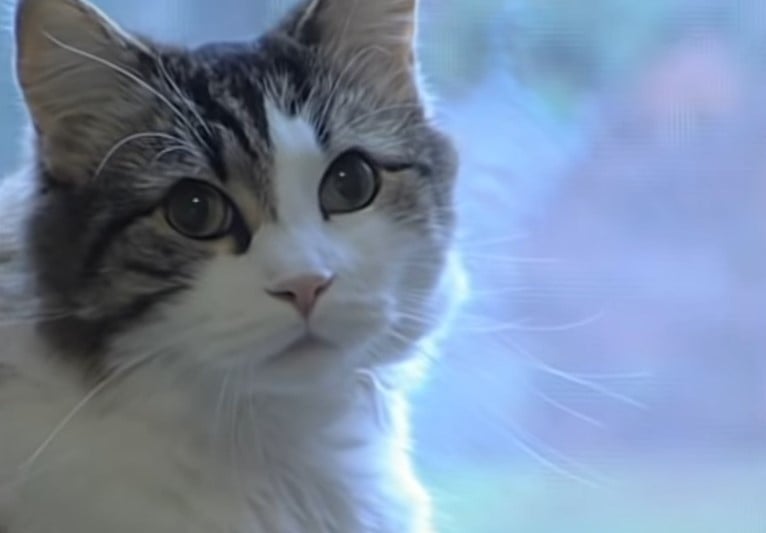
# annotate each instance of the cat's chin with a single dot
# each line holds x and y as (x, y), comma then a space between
(304, 345)
(295, 361)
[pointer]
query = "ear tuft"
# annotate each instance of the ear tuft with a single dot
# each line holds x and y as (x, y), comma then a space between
(343, 28)
(68, 56)
(79, 73)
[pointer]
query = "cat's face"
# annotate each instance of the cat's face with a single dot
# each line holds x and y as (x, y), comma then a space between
(281, 207)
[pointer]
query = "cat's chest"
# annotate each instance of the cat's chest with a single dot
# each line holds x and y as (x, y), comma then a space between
(120, 472)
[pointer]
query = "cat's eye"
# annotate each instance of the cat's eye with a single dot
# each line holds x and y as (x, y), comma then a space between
(198, 210)
(350, 184)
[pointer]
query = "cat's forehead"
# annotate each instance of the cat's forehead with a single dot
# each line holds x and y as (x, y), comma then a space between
(272, 109)
(231, 84)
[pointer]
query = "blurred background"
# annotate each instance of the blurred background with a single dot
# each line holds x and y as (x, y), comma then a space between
(608, 374)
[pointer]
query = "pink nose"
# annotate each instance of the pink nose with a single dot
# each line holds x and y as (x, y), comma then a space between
(302, 291)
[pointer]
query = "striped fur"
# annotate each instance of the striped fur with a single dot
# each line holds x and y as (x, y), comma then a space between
(161, 388)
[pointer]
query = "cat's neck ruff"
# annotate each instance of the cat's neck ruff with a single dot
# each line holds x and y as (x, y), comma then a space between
(329, 458)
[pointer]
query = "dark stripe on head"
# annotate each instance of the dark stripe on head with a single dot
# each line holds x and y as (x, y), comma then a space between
(285, 57)
(252, 101)
(239, 65)
(214, 152)
(213, 111)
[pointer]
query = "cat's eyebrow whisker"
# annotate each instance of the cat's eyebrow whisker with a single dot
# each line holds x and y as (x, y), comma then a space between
(355, 120)
(348, 70)
(185, 101)
(131, 76)
(169, 150)
(125, 141)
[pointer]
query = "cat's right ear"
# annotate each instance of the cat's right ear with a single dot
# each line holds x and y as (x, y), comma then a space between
(376, 37)
(75, 67)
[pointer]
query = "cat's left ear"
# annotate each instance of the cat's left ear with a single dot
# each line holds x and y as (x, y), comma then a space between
(377, 35)
(69, 57)
(79, 74)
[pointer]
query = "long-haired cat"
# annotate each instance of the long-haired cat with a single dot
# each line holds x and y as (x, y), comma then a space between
(217, 269)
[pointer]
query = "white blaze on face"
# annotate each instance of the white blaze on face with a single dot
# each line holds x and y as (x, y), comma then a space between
(295, 245)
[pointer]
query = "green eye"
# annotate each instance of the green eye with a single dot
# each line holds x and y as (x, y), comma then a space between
(198, 210)
(350, 184)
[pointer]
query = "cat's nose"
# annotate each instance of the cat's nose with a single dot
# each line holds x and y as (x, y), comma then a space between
(302, 292)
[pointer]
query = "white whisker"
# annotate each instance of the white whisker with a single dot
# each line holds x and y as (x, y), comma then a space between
(177, 91)
(95, 391)
(123, 142)
(576, 380)
(568, 410)
(520, 326)
(131, 76)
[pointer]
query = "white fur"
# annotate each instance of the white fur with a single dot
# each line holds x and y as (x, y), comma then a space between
(209, 426)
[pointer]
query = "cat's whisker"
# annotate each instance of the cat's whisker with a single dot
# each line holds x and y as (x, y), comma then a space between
(100, 387)
(465, 242)
(125, 141)
(235, 425)
(522, 291)
(167, 348)
(170, 150)
(574, 379)
(509, 259)
(357, 119)
(222, 395)
(185, 101)
(132, 77)
(553, 459)
(347, 72)
(568, 410)
(520, 326)
(605, 376)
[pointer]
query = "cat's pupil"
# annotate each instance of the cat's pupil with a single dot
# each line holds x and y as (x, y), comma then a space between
(192, 212)
(352, 183)
(197, 210)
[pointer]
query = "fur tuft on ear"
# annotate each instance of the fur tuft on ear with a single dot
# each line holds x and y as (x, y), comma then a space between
(68, 56)
(75, 67)
(379, 35)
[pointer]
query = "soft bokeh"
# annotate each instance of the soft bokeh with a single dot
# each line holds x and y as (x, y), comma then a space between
(609, 372)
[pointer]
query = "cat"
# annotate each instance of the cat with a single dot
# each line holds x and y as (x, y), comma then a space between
(222, 269)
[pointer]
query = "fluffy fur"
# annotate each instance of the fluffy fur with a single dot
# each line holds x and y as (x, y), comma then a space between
(150, 382)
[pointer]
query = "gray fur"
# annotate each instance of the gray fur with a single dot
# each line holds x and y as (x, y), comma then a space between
(110, 144)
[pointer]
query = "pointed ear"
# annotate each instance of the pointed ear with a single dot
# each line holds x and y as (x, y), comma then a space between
(68, 57)
(74, 67)
(386, 29)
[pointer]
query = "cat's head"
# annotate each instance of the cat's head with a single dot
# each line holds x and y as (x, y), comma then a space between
(283, 205)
